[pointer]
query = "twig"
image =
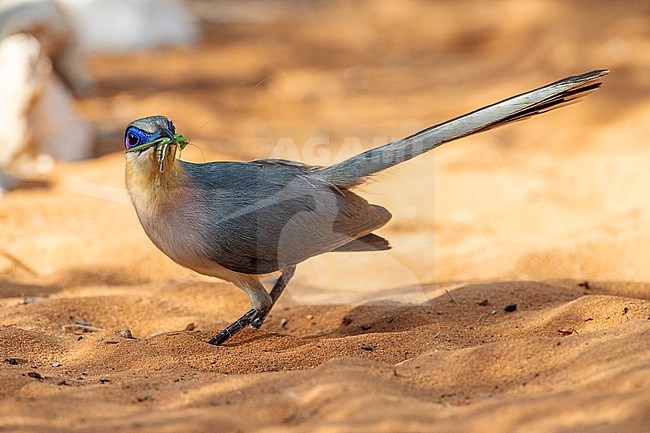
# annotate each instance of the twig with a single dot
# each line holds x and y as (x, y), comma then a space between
(82, 327)
(451, 297)
(478, 321)
(16, 261)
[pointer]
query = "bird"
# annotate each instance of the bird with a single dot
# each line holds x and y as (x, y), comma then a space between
(250, 222)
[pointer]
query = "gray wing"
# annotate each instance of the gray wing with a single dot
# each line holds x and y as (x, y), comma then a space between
(270, 214)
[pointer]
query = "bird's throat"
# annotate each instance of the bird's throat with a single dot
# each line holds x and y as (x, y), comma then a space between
(150, 188)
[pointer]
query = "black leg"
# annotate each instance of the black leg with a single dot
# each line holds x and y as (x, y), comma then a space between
(255, 317)
(234, 327)
(276, 291)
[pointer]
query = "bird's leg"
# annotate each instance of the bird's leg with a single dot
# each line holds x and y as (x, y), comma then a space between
(234, 327)
(262, 303)
(276, 291)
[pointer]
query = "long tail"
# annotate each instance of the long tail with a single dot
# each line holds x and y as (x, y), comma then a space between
(568, 90)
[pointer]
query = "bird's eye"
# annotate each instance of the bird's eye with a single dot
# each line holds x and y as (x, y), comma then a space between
(132, 140)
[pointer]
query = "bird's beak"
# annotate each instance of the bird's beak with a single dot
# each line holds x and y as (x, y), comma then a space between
(167, 133)
(167, 139)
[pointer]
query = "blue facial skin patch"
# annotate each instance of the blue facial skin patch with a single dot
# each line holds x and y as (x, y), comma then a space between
(136, 139)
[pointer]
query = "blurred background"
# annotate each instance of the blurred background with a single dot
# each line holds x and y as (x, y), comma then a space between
(561, 196)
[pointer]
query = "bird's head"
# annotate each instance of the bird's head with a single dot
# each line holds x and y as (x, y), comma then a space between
(151, 139)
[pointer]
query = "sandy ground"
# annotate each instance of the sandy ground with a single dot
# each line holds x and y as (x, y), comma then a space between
(550, 214)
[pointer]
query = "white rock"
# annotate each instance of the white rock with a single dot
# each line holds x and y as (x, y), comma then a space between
(44, 20)
(58, 131)
(36, 111)
(126, 25)
(69, 30)
(23, 73)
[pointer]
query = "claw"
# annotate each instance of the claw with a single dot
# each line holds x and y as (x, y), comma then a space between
(257, 323)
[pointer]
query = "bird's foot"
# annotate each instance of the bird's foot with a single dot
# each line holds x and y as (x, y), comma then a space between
(253, 318)
(257, 322)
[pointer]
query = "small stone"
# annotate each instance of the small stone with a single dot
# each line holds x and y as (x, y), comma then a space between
(189, 327)
(126, 333)
(283, 323)
(104, 380)
(367, 347)
(144, 398)
(493, 312)
(483, 303)
(309, 316)
(55, 364)
(35, 375)
(510, 308)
